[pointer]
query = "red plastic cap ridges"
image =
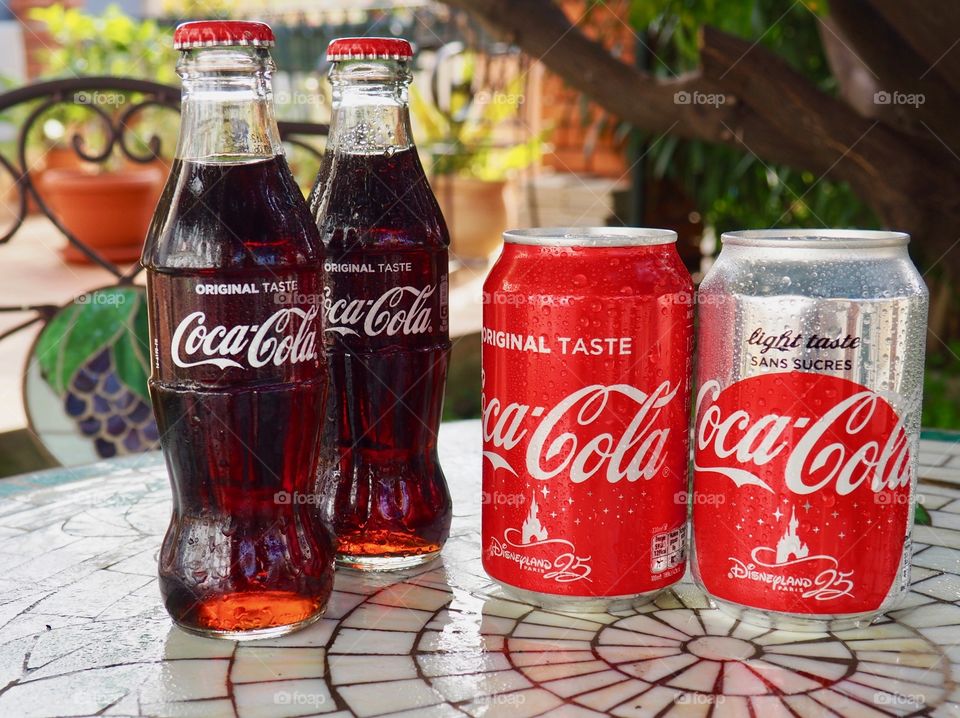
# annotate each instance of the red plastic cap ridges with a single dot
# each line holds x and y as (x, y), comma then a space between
(369, 48)
(213, 33)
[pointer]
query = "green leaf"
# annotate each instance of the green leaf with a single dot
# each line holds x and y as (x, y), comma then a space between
(131, 352)
(433, 127)
(95, 44)
(47, 349)
(662, 155)
(643, 13)
(922, 516)
(81, 330)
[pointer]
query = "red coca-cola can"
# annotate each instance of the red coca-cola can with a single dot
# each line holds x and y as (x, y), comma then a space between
(587, 338)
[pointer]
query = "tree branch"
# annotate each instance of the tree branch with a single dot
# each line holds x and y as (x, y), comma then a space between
(896, 70)
(839, 142)
(768, 109)
(856, 82)
(930, 27)
(545, 33)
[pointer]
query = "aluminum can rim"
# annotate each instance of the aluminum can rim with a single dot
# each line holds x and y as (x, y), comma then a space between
(815, 238)
(590, 236)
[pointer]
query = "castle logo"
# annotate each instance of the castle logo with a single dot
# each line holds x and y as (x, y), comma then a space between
(532, 530)
(790, 544)
(790, 567)
(531, 549)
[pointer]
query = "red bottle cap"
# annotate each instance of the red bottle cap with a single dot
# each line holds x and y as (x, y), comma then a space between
(369, 48)
(211, 33)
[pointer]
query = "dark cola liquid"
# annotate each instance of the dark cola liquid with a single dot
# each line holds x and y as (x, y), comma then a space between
(387, 345)
(238, 388)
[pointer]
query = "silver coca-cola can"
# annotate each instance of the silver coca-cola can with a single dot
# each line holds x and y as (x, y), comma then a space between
(809, 383)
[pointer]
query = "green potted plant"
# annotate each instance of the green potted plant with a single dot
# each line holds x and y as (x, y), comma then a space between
(106, 205)
(471, 163)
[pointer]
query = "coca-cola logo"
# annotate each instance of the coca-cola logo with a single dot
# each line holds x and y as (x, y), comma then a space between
(858, 440)
(815, 472)
(400, 310)
(587, 433)
(288, 336)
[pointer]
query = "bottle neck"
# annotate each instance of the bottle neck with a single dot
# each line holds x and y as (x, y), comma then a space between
(227, 107)
(370, 114)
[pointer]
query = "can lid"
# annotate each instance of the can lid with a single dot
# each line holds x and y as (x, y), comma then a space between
(226, 33)
(590, 236)
(815, 238)
(369, 48)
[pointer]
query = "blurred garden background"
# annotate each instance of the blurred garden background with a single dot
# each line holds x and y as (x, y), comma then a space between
(697, 115)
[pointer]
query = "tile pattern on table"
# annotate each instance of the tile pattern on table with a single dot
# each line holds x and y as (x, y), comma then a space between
(82, 630)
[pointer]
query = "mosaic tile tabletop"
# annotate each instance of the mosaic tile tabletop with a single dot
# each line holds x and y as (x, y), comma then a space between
(83, 631)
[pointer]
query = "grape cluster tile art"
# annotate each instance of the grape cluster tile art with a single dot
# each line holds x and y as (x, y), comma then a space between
(85, 388)
(83, 631)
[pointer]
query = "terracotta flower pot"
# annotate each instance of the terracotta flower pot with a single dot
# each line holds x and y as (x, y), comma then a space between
(109, 211)
(476, 215)
(54, 158)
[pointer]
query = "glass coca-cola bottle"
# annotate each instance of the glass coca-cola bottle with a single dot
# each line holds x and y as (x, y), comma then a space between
(238, 379)
(386, 334)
